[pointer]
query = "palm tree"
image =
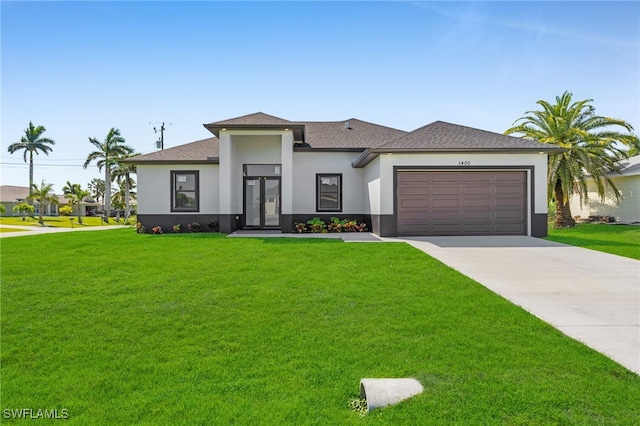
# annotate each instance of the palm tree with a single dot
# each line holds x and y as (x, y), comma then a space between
(31, 142)
(74, 193)
(97, 188)
(122, 176)
(108, 151)
(43, 194)
(593, 148)
(122, 197)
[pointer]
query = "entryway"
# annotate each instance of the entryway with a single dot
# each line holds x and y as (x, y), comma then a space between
(262, 202)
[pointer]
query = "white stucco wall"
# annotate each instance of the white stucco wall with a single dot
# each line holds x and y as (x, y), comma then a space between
(154, 188)
(538, 161)
(372, 187)
(627, 210)
(305, 167)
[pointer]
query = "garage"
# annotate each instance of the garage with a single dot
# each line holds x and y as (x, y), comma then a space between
(461, 202)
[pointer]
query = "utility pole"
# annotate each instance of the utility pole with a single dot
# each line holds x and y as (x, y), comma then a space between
(161, 135)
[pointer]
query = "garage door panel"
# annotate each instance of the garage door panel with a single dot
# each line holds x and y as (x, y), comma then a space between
(510, 177)
(413, 177)
(476, 190)
(512, 215)
(508, 203)
(442, 177)
(413, 203)
(471, 177)
(477, 202)
(410, 190)
(508, 190)
(461, 203)
(477, 215)
(453, 203)
(509, 229)
(445, 190)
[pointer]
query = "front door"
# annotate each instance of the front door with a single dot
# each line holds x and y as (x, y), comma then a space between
(262, 202)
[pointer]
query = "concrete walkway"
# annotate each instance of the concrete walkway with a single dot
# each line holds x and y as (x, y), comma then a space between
(591, 296)
(39, 230)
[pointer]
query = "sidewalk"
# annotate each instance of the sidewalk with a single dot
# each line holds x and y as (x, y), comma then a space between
(39, 230)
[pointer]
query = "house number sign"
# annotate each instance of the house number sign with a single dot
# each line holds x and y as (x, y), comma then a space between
(464, 163)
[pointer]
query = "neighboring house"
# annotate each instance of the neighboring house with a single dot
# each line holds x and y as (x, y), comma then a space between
(263, 172)
(627, 209)
(11, 196)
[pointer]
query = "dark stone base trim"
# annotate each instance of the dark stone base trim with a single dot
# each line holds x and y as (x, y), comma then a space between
(539, 225)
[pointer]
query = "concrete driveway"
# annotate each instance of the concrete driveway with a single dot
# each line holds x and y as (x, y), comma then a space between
(591, 296)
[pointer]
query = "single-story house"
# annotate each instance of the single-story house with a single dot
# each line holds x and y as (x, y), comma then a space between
(263, 172)
(11, 195)
(627, 209)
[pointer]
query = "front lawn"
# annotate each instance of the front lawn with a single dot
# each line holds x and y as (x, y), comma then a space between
(623, 240)
(121, 328)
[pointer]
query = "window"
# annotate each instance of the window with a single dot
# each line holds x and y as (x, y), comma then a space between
(185, 196)
(329, 192)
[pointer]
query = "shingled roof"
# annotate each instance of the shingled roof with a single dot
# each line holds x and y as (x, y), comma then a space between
(205, 150)
(256, 119)
(447, 136)
(628, 167)
(351, 133)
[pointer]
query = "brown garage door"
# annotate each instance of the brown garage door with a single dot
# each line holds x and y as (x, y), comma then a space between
(462, 202)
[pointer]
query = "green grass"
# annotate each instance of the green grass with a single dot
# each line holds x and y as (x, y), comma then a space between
(61, 221)
(623, 240)
(202, 329)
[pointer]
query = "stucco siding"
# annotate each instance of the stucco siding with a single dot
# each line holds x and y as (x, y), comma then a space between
(154, 188)
(372, 189)
(305, 167)
(626, 210)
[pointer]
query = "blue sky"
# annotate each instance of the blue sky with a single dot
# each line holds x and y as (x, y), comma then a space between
(80, 68)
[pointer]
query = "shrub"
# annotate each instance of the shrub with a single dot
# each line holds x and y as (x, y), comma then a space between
(317, 225)
(140, 229)
(157, 230)
(300, 227)
(212, 225)
(66, 210)
(194, 227)
(176, 228)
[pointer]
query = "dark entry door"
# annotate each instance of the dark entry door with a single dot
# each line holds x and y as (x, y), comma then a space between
(262, 202)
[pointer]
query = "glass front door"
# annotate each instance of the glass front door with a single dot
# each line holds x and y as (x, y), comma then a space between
(262, 202)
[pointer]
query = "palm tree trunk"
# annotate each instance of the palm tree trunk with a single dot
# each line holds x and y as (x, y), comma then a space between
(563, 217)
(79, 213)
(107, 191)
(127, 211)
(30, 201)
(40, 218)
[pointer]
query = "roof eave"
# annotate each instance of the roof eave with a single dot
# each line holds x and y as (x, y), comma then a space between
(215, 128)
(209, 160)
